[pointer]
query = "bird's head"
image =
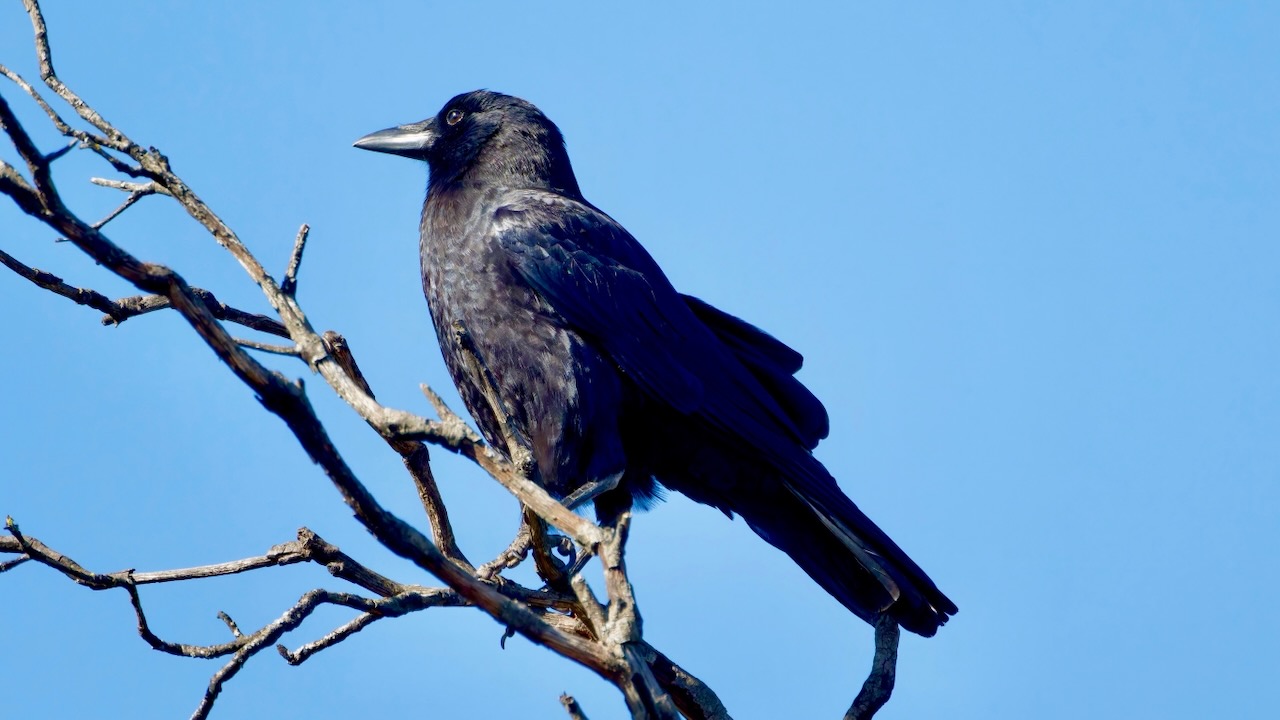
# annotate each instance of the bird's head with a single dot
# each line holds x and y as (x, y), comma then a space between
(484, 137)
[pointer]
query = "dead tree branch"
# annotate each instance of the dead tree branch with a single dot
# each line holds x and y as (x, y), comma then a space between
(133, 306)
(290, 285)
(878, 687)
(55, 284)
(566, 616)
(571, 706)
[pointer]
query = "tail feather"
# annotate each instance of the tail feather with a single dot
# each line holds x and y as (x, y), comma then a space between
(784, 493)
(846, 553)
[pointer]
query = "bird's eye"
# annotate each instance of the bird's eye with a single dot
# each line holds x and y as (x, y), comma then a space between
(453, 117)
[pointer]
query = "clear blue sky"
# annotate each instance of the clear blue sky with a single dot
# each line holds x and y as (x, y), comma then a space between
(1031, 253)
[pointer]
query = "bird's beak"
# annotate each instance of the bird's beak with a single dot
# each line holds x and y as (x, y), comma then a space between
(412, 141)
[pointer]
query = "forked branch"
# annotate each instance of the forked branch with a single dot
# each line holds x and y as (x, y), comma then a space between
(567, 616)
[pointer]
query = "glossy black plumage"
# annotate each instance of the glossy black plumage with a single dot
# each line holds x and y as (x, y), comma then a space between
(604, 368)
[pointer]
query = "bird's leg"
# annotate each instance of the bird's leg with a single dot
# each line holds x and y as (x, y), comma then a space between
(592, 490)
(576, 499)
(579, 562)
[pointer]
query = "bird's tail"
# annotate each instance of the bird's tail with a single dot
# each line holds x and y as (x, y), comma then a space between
(847, 554)
(785, 494)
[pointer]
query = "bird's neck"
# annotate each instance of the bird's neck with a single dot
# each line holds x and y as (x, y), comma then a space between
(521, 160)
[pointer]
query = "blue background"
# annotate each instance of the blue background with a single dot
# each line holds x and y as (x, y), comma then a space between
(1030, 252)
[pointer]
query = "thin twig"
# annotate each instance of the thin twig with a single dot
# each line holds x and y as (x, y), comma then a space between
(309, 547)
(180, 649)
(111, 137)
(333, 637)
(289, 286)
(395, 606)
(60, 151)
(128, 203)
(11, 564)
(416, 458)
(572, 707)
(516, 445)
(137, 191)
(253, 644)
(448, 418)
(55, 284)
(269, 348)
(144, 188)
(84, 138)
(231, 624)
(142, 304)
(516, 477)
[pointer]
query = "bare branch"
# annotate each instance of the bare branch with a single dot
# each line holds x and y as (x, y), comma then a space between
(128, 203)
(694, 698)
(37, 163)
(56, 119)
(571, 706)
(55, 284)
(137, 191)
(112, 137)
(41, 553)
(288, 553)
(400, 599)
(144, 188)
(268, 348)
(143, 304)
(397, 600)
(395, 606)
(280, 397)
(117, 311)
(342, 632)
(253, 644)
(604, 638)
(11, 564)
(416, 458)
(622, 629)
(516, 448)
(309, 547)
(290, 284)
(231, 624)
(622, 623)
(180, 649)
(287, 400)
(645, 696)
(341, 352)
(60, 152)
(592, 610)
(879, 684)
(453, 422)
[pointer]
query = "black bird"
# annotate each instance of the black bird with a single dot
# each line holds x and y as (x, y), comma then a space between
(608, 375)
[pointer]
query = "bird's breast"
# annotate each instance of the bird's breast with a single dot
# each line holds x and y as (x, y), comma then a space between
(525, 353)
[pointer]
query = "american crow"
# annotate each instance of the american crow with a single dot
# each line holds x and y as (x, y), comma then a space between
(608, 375)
